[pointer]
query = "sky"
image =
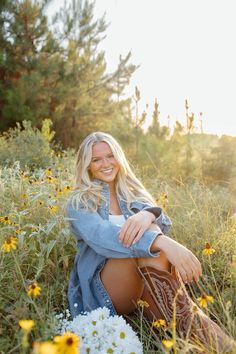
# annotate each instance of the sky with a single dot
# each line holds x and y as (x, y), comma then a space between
(185, 49)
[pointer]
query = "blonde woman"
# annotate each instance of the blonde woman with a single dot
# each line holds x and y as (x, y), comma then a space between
(124, 253)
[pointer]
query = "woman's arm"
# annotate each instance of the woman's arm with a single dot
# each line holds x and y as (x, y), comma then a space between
(185, 262)
(135, 226)
(102, 235)
(161, 219)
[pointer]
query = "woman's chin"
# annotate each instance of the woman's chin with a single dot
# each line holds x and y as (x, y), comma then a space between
(107, 179)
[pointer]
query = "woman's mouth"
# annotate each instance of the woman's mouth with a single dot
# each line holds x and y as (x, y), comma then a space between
(108, 171)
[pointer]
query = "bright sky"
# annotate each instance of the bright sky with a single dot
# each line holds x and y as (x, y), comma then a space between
(186, 49)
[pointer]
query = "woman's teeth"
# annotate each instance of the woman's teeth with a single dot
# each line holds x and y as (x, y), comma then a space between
(107, 171)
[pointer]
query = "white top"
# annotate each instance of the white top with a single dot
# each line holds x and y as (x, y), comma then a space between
(117, 219)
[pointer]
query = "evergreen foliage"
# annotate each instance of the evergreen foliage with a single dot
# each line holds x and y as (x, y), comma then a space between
(58, 71)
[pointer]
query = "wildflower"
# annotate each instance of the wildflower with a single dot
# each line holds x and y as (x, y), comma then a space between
(67, 343)
(162, 200)
(112, 333)
(40, 202)
(142, 303)
(204, 299)
(168, 343)
(51, 179)
(45, 348)
(5, 220)
(208, 250)
(9, 244)
(122, 335)
(34, 289)
(48, 172)
(59, 192)
(26, 325)
(53, 209)
(67, 188)
(159, 323)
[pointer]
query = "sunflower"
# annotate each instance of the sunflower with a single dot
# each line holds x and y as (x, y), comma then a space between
(34, 289)
(67, 343)
(9, 244)
(204, 299)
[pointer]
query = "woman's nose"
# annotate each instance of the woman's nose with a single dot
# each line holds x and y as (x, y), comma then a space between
(105, 161)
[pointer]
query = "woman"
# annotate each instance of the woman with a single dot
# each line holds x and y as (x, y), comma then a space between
(124, 253)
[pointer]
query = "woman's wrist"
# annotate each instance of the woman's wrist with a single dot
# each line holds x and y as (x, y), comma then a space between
(152, 216)
(158, 243)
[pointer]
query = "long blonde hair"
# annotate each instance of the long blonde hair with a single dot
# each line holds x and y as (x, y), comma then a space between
(128, 186)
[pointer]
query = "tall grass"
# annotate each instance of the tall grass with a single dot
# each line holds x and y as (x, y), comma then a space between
(45, 249)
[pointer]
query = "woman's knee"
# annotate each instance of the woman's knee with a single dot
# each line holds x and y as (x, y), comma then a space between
(160, 262)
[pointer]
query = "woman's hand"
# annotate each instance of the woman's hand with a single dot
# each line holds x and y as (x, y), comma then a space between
(185, 262)
(134, 227)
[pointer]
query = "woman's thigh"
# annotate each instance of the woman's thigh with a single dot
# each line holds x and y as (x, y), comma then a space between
(123, 283)
(122, 280)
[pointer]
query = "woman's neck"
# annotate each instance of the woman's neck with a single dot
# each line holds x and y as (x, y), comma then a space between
(112, 189)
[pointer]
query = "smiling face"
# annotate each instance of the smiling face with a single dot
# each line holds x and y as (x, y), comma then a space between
(103, 164)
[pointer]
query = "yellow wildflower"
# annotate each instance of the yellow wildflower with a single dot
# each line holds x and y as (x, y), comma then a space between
(142, 303)
(204, 299)
(51, 179)
(34, 289)
(168, 343)
(9, 244)
(67, 343)
(208, 250)
(159, 323)
(59, 191)
(162, 200)
(48, 172)
(67, 188)
(26, 325)
(53, 209)
(45, 348)
(5, 220)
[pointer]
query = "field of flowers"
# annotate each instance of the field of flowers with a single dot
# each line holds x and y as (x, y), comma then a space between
(37, 251)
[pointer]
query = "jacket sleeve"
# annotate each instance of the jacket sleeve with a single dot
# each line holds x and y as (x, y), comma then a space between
(162, 220)
(102, 235)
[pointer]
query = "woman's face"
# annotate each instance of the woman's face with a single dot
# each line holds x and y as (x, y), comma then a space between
(103, 164)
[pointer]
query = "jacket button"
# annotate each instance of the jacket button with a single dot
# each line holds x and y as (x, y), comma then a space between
(107, 301)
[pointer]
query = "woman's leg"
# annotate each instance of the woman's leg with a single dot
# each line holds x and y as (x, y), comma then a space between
(121, 278)
(123, 282)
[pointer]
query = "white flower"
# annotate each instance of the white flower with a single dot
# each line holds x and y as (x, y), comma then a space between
(102, 333)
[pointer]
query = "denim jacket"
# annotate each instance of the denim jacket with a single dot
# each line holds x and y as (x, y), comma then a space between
(97, 240)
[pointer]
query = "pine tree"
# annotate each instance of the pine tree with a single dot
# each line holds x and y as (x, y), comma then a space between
(58, 71)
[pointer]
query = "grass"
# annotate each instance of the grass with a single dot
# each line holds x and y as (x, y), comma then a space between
(45, 250)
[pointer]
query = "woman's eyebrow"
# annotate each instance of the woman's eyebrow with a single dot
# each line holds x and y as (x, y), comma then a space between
(97, 157)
